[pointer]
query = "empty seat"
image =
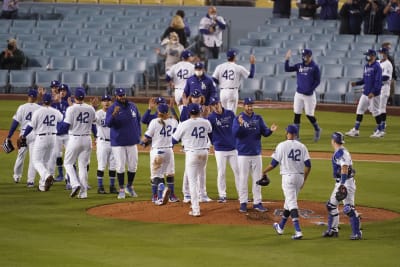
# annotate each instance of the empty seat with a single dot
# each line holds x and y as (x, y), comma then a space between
(289, 89)
(80, 45)
(42, 78)
(339, 46)
(293, 44)
(32, 52)
(353, 72)
(362, 47)
(332, 71)
(54, 52)
(21, 80)
(86, 63)
(101, 52)
(301, 37)
(265, 69)
(98, 82)
(39, 62)
(322, 60)
(111, 64)
(125, 53)
(74, 78)
(336, 90)
(127, 80)
(82, 52)
(370, 39)
(250, 88)
(62, 63)
(3, 81)
(271, 88)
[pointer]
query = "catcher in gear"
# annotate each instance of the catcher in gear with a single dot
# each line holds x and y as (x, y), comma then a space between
(344, 190)
(8, 146)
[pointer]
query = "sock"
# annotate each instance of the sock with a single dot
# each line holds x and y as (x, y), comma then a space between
(357, 125)
(60, 170)
(100, 175)
(160, 190)
(285, 216)
(112, 174)
(355, 224)
(316, 126)
(296, 224)
(131, 177)
(170, 184)
(121, 178)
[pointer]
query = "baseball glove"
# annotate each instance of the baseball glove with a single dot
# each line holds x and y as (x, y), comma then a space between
(264, 181)
(341, 193)
(8, 147)
(21, 142)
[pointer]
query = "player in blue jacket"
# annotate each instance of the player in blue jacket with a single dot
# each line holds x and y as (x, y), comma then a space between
(308, 79)
(123, 118)
(370, 98)
(248, 128)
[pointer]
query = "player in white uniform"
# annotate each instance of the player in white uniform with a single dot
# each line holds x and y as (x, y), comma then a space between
(79, 119)
(295, 166)
(22, 117)
(229, 76)
(178, 74)
(44, 124)
(162, 163)
(194, 135)
(103, 148)
(387, 72)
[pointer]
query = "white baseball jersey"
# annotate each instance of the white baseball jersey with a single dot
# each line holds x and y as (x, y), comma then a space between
(387, 70)
(24, 113)
(291, 155)
(180, 72)
(230, 74)
(193, 133)
(80, 117)
(161, 134)
(102, 130)
(44, 120)
(215, 37)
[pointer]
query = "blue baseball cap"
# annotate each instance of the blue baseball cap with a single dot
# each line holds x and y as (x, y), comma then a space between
(214, 100)
(186, 54)
(338, 137)
(120, 92)
(248, 101)
(292, 129)
(80, 93)
(47, 98)
(231, 53)
(196, 93)
(54, 83)
(198, 65)
(163, 108)
(64, 87)
(160, 100)
(306, 52)
(32, 93)
(106, 98)
(370, 52)
(383, 50)
(194, 108)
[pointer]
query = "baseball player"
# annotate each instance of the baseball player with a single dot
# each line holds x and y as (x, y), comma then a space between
(308, 79)
(22, 117)
(44, 126)
(54, 88)
(177, 75)
(123, 118)
(370, 98)
(153, 102)
(248, 128)
(295, 166)
(80, 120)
(103, 148)
(194, 136)
(221, 120)
(387, 71)
(228, 76)
(162, 163)
(343, 173)
(201, 82)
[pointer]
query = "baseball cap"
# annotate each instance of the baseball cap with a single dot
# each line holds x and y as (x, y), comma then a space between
(214, 100)
(231, 53)
(79, 93)
(198, 65)
(47, 98)
(186, 54)
(292, 129)
(106, 98)
(338, 137)
(383, 50)
(194, 108)
(54, 83)
(64, 87)
(248, 101)
(196, 93)
(163, 108)
(370, 52)
(160, 100)
(120, 92)
(32, 93)
(306, 52)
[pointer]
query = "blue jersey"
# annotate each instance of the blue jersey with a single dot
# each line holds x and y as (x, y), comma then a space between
(222, 137)
(204, 84)
(308, 76)
(62, 107)
(372, 79)
(125, 126)
(248, 136)
(340, 158)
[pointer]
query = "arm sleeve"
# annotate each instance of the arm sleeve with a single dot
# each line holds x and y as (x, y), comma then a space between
(317, 78)
(265, 131)
(274, 163)
(28, 129)
(13, 127)
(378, 81)
(289, 68)
(221, 24)
(146, 117)
(252, 70)
(307, 163)
(94, 130)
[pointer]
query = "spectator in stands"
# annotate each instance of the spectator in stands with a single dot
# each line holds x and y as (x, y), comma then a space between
(307, 9)
(178, 27)
(12, 58)
(10, 9)
(388, 46)
(373, 17)
(392, 11)
(171, 50)
(350, 17)
(329, 9)
(211, 27)
(181, 13)
(281, 8)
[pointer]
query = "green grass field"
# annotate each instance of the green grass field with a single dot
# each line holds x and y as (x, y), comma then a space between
(50, 229)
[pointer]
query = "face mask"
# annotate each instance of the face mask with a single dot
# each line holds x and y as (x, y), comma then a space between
(213, 16)
(198, 73)
(174, 41)
(10, 47)
(367, 58)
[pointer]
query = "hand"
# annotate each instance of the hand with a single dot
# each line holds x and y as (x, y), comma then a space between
(41, 91)
(353, 83)
(274, 127)
(185, 100)
(370, 95)
(95, 102)
(157, 50)
(115, 111)
(240, 120)
(152, 103)
(288, 54)
(252, 59)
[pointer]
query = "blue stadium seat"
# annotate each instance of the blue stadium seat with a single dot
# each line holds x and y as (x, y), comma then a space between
(21, 80)
(62, 63)
(271, 88)
(111, 64)
(3, 81)
(86, 63)
(127, 80)
(336, 90)
(54, 52)
(37, 62)
(98, 82)
(331, 71)
(265, 69)
(353, 72)
(43, 77)
(74, 78)
(289, 89)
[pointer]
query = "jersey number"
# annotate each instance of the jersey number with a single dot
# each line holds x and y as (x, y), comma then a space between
(228, 75)
(83, 117)
(49, 120)
(183, 74)
(198, 132)
(28, 116)
(166, 131)
(294, 154)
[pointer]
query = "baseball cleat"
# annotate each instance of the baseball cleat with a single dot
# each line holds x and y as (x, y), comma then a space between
(17, 180)
(173, 198)
(317, 135)
(165, 196)
(48, 183)
(30, 184)
(194, 213)
(121, 194)
(357, 236)
(82, 194)
(330, 233)
(353, 133)
(243, 207)
(68, 186)
(129, 190)
(113, 190)
(259, 207)
(205, 199)
(101, 190)
(74, 191)
(376, 134)
(222, 200)
(297, 235)
(277, 228)
(186, 199)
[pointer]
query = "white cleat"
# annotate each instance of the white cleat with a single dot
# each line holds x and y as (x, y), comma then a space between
(353, 133)
(377, 134)
(297, 235)
(194, 213)
(277, 228)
